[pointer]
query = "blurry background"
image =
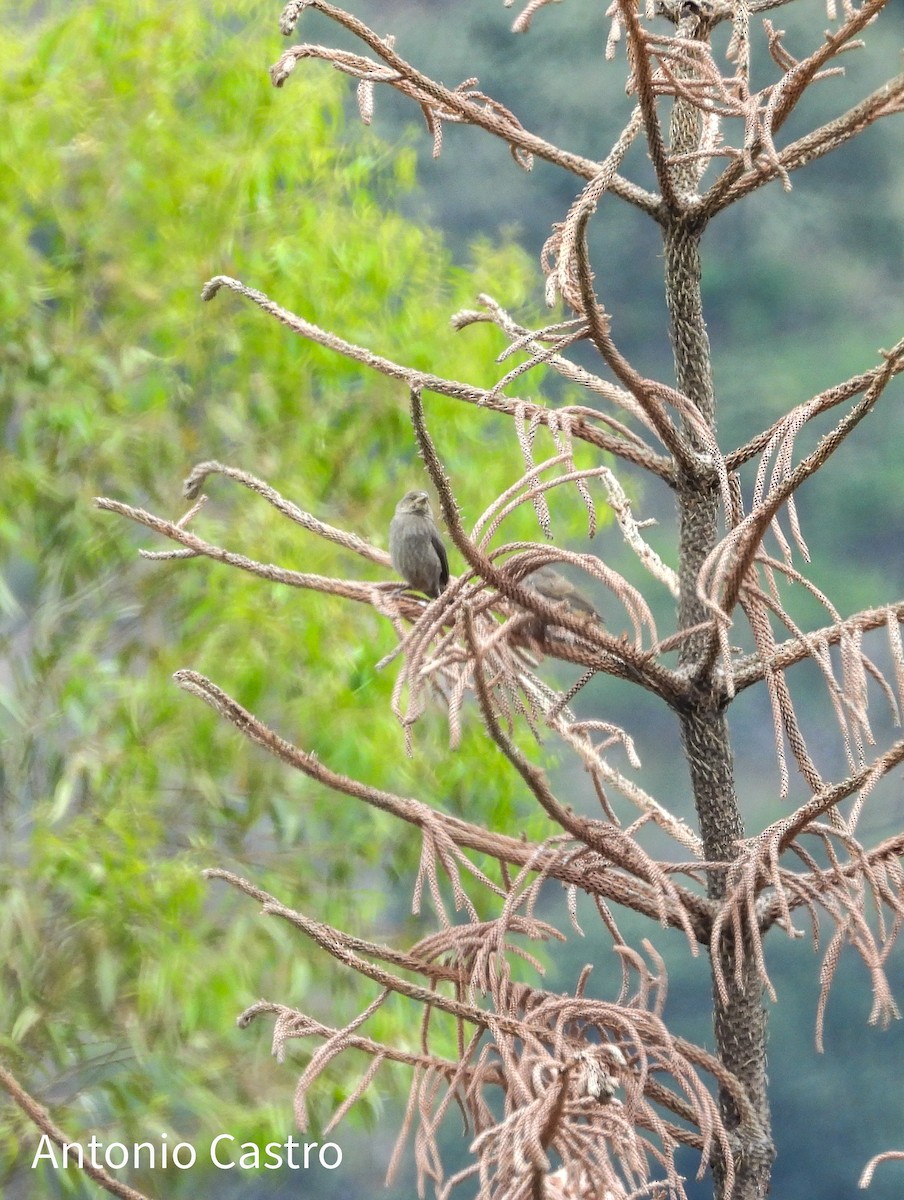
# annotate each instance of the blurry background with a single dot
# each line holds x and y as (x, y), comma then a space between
(143, 151)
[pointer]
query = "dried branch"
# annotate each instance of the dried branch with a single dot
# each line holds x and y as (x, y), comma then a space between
(349, 541)
(417, 380)
(339, 946)
(869, 1170)
(607, 840)
(777, 103)
(642, 77)
(647, 394)
(802, 74)
(350, 589)
(292, 1024)
(810, 409)
(727, 568)
(543, 1048)
(440, 103)
(758, 867)
(885, 101)
(798, 649)
(783, 832)
(39, 1116)
(800, 888)
(561, 336)
(517, 851)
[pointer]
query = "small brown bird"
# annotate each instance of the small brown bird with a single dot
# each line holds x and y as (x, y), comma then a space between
(553, 586)
(415, 547)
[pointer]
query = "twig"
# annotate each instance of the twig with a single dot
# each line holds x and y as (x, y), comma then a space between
(41, 1118)
(419, 380)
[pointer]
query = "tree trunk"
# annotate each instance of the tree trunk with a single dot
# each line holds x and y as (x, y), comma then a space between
(740, 1018)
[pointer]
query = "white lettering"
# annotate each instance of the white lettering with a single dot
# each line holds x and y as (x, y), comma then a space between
(117, 1146)
(78, 1152)
(221, 1137)
(45, 1150)
(251, 1159)
(136, 1155)
(272, 1152)
(149, 1156)
(338, 1153)
(177, 1155)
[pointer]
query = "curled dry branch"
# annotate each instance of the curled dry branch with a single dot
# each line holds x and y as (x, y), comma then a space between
(437, 102)
(730, 575)
(683, 67)
(726, 569)
(613, 878)
(762, 161)
(869, 1170)
(839, 891)
(557, 1061)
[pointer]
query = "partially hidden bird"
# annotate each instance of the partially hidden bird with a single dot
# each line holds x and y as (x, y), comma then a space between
(554, 586)
(415, 547)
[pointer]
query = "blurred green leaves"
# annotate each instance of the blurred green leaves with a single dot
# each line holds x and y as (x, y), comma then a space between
(145, 152)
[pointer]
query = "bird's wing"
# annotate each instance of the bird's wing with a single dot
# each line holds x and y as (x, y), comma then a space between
(443, 559)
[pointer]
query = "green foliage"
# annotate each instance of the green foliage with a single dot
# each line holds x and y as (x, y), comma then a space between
(146, 152)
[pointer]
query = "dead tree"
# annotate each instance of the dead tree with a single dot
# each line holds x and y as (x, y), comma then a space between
(568, 1096)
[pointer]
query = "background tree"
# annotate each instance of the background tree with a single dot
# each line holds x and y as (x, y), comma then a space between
(559, 1086)
(140, 145)
(558, 1061)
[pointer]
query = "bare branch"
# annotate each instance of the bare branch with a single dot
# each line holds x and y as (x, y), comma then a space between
(422, 380)
(798, 79)
(799, 888)
(647, 394)
(837, 394)
(866, 1177)
(643, 80)
(783, 832)
(797, 649)
(758, 868)
(40, 1117)
(726, 569)
(444, 103)
(349, 541)
(364, 593)
(502, 847)
(782, 99)
(886, 100)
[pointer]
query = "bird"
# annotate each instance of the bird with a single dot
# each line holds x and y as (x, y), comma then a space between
(415, 547)
(552, 585)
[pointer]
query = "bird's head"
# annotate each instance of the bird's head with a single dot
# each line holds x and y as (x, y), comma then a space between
(415, 502)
